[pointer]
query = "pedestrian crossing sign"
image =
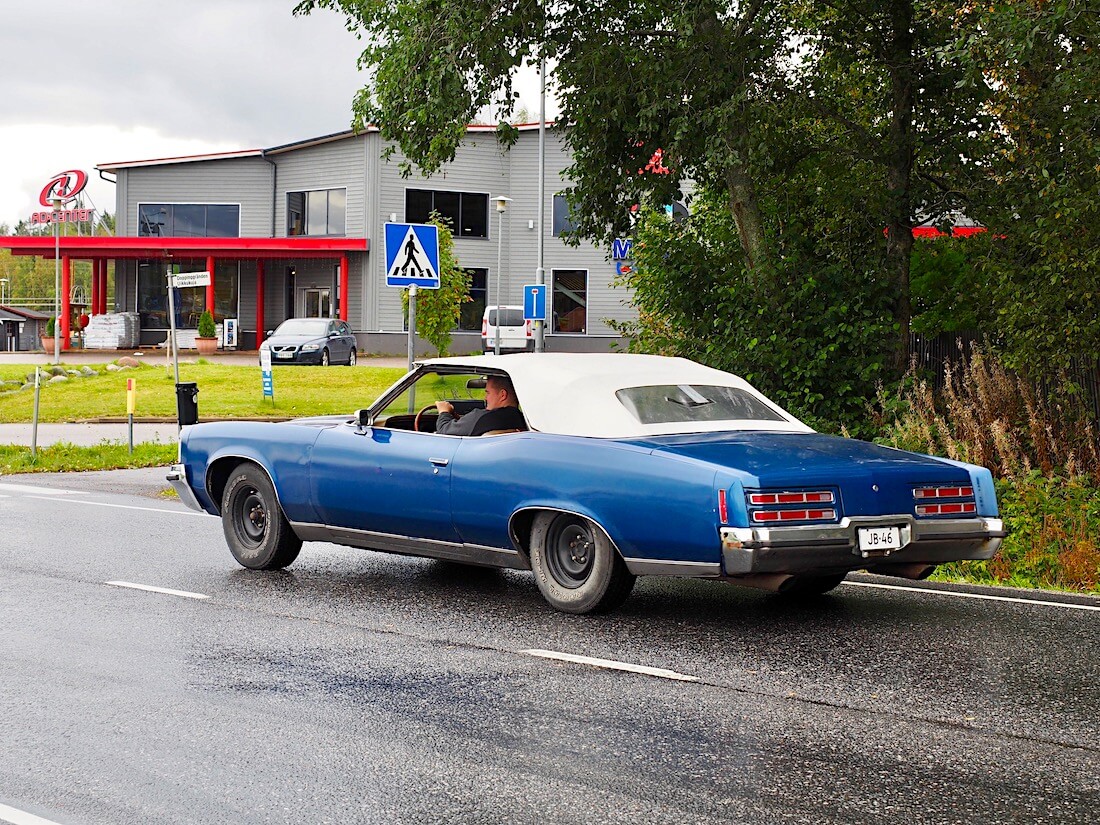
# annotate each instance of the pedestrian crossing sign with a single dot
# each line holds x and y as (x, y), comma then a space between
(412, 255)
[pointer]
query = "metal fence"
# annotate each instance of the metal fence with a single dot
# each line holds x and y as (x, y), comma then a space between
(932, 354)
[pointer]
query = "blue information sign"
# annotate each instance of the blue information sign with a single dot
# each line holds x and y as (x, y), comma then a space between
(412, 255)
(534, 302)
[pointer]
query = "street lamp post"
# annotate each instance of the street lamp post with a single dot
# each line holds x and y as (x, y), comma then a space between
(56, 203)
(502, 206)
(3, 290)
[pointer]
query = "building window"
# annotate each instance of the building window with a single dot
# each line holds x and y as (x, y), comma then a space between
(317, 212)
(472, 311)
(570, 301)
(466, 212)
(189, 220)
(563, 221)
(152, 293)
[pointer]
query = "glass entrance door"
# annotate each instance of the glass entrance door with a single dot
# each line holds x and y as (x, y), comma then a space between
(318, 303)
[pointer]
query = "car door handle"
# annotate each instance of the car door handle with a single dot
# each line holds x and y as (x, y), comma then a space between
(440, 462)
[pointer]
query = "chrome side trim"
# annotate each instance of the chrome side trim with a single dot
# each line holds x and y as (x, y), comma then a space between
(683, 569)
(409, 546)
(177, 475)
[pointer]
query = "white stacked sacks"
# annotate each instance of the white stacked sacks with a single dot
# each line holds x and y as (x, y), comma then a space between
(116, 330)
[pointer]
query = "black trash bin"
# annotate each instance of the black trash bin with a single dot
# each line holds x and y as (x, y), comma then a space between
(187, 404)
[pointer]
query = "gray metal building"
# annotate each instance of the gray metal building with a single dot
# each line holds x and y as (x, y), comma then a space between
(297, 230)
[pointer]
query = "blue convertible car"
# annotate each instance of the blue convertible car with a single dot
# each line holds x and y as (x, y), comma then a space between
(628, 465)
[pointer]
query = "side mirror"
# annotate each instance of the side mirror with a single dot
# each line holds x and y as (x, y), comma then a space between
(363, 419)
(269, 333)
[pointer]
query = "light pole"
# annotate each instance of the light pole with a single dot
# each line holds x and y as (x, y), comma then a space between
(3, 290)
(56, 203)
(540, 269)
(502, 206)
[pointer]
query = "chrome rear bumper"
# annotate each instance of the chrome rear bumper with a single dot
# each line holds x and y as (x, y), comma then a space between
(835, 546)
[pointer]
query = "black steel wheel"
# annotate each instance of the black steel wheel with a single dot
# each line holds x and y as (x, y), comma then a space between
(257, 532)
(324, 357)
(577, 568)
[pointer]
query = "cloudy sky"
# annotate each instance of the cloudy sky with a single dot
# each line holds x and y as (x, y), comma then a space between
(85, 83)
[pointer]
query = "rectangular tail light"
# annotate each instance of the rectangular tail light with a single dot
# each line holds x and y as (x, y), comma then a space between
(949, 500)
(817, 497)
(780, 516)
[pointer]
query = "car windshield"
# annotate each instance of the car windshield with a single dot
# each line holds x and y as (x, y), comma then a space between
(673, 403)
(303, 326)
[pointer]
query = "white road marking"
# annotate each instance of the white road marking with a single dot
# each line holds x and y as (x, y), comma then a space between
(611, 664)
(45, 491)
(18, 817)
(962, 595)
(165, 590)
(131, 507)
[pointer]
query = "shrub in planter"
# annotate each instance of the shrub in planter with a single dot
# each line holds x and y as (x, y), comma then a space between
(207, 329)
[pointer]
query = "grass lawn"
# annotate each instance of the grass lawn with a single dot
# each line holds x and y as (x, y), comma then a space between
(65, 458)
(224, 392)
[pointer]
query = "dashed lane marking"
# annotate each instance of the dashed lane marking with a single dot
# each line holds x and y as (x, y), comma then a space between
(985, 596)
(149, 588)
(611, 664)
(129, 507)
(42, 491)
(18, 817)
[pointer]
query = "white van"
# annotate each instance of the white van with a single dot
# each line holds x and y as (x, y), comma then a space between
(515, 333)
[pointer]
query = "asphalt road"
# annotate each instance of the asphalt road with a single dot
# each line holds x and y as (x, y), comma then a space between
(361, 687)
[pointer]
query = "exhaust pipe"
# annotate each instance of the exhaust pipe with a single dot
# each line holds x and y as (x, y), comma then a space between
(904, 571)
(773, 582)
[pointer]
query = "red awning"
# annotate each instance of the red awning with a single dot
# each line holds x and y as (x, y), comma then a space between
(113, 247)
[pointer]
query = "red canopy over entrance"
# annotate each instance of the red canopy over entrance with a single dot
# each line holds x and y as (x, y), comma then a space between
(100, 249)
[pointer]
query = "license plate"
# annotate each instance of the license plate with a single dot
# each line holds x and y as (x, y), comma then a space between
(284, 355)
(877, 539)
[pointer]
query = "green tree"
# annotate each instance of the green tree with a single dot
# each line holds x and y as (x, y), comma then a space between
(438, 310)
(1040, 156)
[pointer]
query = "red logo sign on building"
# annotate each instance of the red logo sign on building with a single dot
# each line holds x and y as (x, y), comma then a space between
(64, 186)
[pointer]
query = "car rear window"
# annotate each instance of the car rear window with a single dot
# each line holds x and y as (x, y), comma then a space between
(673, 403)
(510, 317)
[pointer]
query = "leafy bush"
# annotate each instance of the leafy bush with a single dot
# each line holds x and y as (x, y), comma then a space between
(50, 327)
(207, 328)
(1042, 449)
(1053, 536)
(438, 310)
(814, 335)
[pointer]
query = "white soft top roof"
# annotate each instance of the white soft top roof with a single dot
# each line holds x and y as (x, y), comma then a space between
(574, 393)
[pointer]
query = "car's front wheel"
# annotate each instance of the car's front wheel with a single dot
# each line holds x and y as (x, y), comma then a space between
(576, 567)
(257, 532)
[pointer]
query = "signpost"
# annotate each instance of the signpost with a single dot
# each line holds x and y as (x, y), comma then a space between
(534, 302)
(265, 375)
(180, 280)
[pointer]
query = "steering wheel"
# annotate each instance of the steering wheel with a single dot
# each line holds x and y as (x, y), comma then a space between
(416, 421)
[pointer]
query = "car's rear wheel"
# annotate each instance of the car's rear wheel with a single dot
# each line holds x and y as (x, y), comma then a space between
(576, 567)
(801, 586)
(324, 357)
(258, 534)
(351, 357)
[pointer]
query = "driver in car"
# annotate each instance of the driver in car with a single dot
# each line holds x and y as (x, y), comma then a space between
(501, 411)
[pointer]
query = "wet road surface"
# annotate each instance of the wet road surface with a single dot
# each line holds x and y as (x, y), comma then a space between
(361, 687)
